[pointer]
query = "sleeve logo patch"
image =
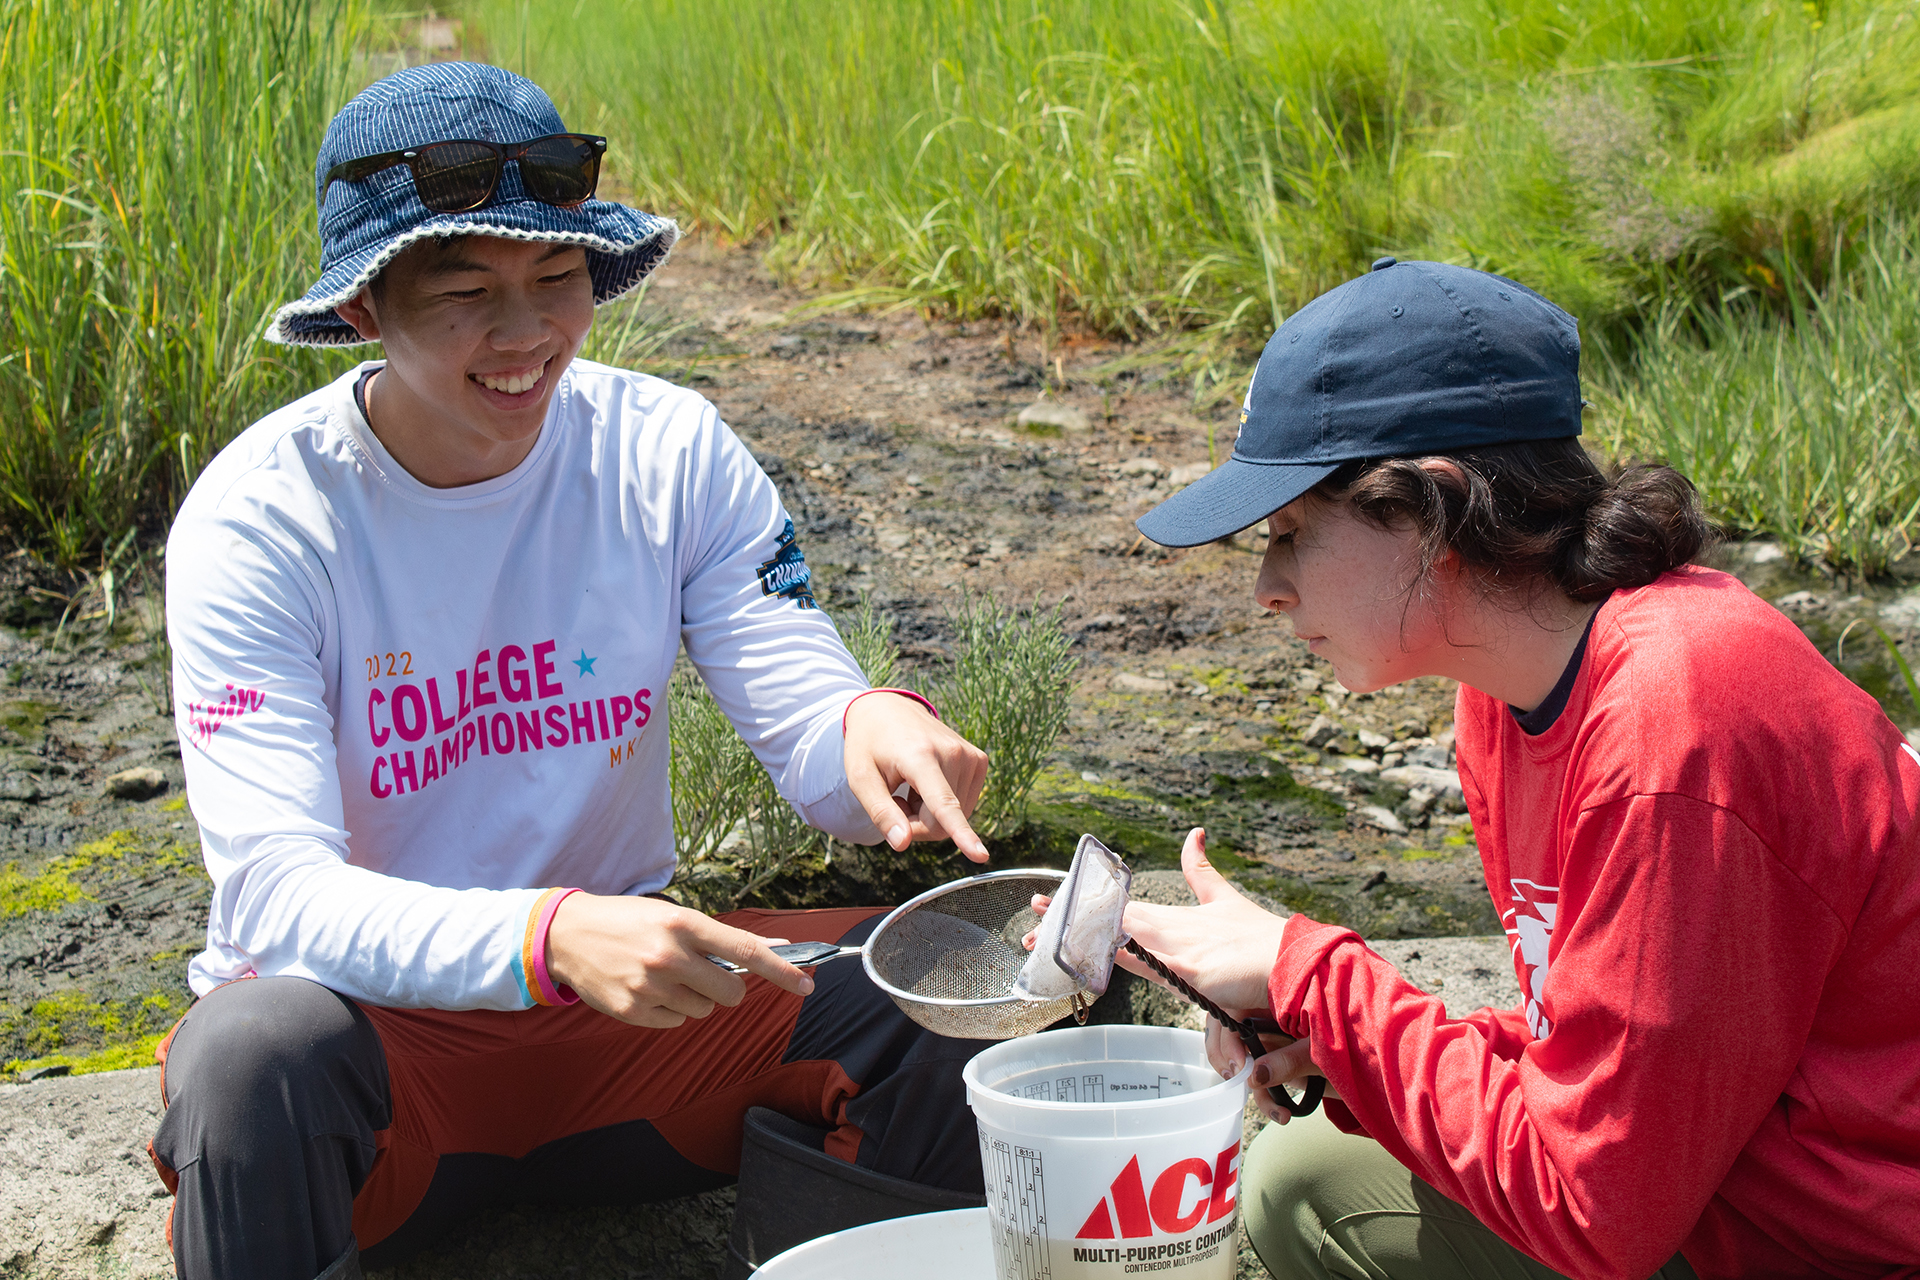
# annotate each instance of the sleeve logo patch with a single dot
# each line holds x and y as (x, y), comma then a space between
(205, 718)
(1529, 923)
(787, 573)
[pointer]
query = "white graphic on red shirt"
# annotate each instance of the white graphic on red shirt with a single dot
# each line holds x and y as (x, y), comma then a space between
(205, 718)
(1908, 748)
(1529, 922)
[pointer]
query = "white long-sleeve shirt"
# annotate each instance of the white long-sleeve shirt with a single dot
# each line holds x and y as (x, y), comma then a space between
(405, 712)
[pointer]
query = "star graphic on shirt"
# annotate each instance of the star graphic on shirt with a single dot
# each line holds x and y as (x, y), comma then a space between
(584, 663)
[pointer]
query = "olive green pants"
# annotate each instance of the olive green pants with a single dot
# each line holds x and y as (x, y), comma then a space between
(1321, 1203)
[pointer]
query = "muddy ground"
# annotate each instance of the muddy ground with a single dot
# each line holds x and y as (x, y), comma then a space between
(897, 444)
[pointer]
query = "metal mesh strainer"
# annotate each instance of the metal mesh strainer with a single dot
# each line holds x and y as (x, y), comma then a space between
(949, 957)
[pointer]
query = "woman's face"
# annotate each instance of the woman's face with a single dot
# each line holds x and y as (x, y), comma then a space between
(1344, 583)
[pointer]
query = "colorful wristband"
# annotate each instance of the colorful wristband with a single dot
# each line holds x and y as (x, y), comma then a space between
(905, 693)
(534, 952)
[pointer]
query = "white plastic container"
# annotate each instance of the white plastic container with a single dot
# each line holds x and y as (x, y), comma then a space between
(951, 1245)
(1109, 1152)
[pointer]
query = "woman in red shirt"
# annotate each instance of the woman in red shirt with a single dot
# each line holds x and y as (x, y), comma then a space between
(1703, 840)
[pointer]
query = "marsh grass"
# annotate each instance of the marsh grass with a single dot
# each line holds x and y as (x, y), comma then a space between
(155, 201)
(1144, 166)
(1805, 427)
(1697, 180)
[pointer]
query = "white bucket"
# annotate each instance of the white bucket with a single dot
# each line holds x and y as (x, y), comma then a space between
(1109, 1152)
(950, 1245)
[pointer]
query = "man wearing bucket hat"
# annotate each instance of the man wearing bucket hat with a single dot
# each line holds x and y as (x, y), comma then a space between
(1703, 841)
(423, 624)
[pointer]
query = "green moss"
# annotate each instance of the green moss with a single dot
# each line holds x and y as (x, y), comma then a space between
(77, 1030)
(175, 805)
(26, 719)
(1457, 840)
(119, 1057)
(55, 886)
(1216, 679)
(51, 889)
(1422, 855)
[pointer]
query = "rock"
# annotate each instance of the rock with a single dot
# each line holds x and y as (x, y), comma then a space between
(136, 784)
(1902, 612)
(1797, 601)
(1088, 775)
(1321, 732)
(1373, 741)
(1356, 764)
(80, 1198)
(1127, 682)
(1429, 757)
(1141, 467)
(1444, 783)
(1376, 816)
(1467, 973)
(1048, 413)
(20, 786)
(1182, 476)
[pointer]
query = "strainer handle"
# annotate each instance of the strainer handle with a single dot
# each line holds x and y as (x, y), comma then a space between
(1249, 1032)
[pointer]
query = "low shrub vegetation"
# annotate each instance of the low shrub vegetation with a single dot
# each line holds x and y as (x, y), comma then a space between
(1005, 685)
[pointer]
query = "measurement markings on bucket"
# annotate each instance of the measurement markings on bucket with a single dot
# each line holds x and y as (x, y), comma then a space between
(1068, 1089)
(1015, 1180)
(1157, 1087)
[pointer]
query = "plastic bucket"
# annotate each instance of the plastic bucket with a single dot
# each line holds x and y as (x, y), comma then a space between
(950, 1245)
(1109, 1152)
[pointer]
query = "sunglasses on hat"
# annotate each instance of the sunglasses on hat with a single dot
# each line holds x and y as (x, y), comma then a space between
(561, 169)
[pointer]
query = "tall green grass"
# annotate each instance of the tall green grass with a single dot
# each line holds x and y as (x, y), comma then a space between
(156, 200)
(1153, 164)
(1805, 427)
(1694, 179)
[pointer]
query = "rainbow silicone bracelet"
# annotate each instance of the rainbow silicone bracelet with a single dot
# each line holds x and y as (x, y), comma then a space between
(534, 954)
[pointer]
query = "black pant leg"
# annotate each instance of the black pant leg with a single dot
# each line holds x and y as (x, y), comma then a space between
(912, 1106)
(276, 1088)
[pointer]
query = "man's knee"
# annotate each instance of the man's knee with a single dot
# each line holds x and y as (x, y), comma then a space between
(269, 1053)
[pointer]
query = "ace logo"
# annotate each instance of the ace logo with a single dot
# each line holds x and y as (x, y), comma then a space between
(1186, 1193)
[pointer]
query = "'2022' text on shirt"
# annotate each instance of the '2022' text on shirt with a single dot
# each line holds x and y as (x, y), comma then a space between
(406, 712)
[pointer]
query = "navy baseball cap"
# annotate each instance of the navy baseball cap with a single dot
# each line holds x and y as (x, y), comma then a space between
(1412, 358)
(364, 225)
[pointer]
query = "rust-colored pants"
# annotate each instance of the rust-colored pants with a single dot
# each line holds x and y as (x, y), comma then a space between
(300, 1123)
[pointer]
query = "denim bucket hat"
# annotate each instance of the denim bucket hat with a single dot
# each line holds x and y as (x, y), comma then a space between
(365, 224)
(1412, 358)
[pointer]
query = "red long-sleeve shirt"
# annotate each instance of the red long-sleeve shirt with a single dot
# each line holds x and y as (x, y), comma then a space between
(1709, 869)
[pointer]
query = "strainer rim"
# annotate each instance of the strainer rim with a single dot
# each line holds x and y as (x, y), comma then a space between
(941, 891)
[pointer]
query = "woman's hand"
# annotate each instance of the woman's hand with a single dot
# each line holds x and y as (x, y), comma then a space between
(1289, 1062)
(644, 961)
(1225, 947)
